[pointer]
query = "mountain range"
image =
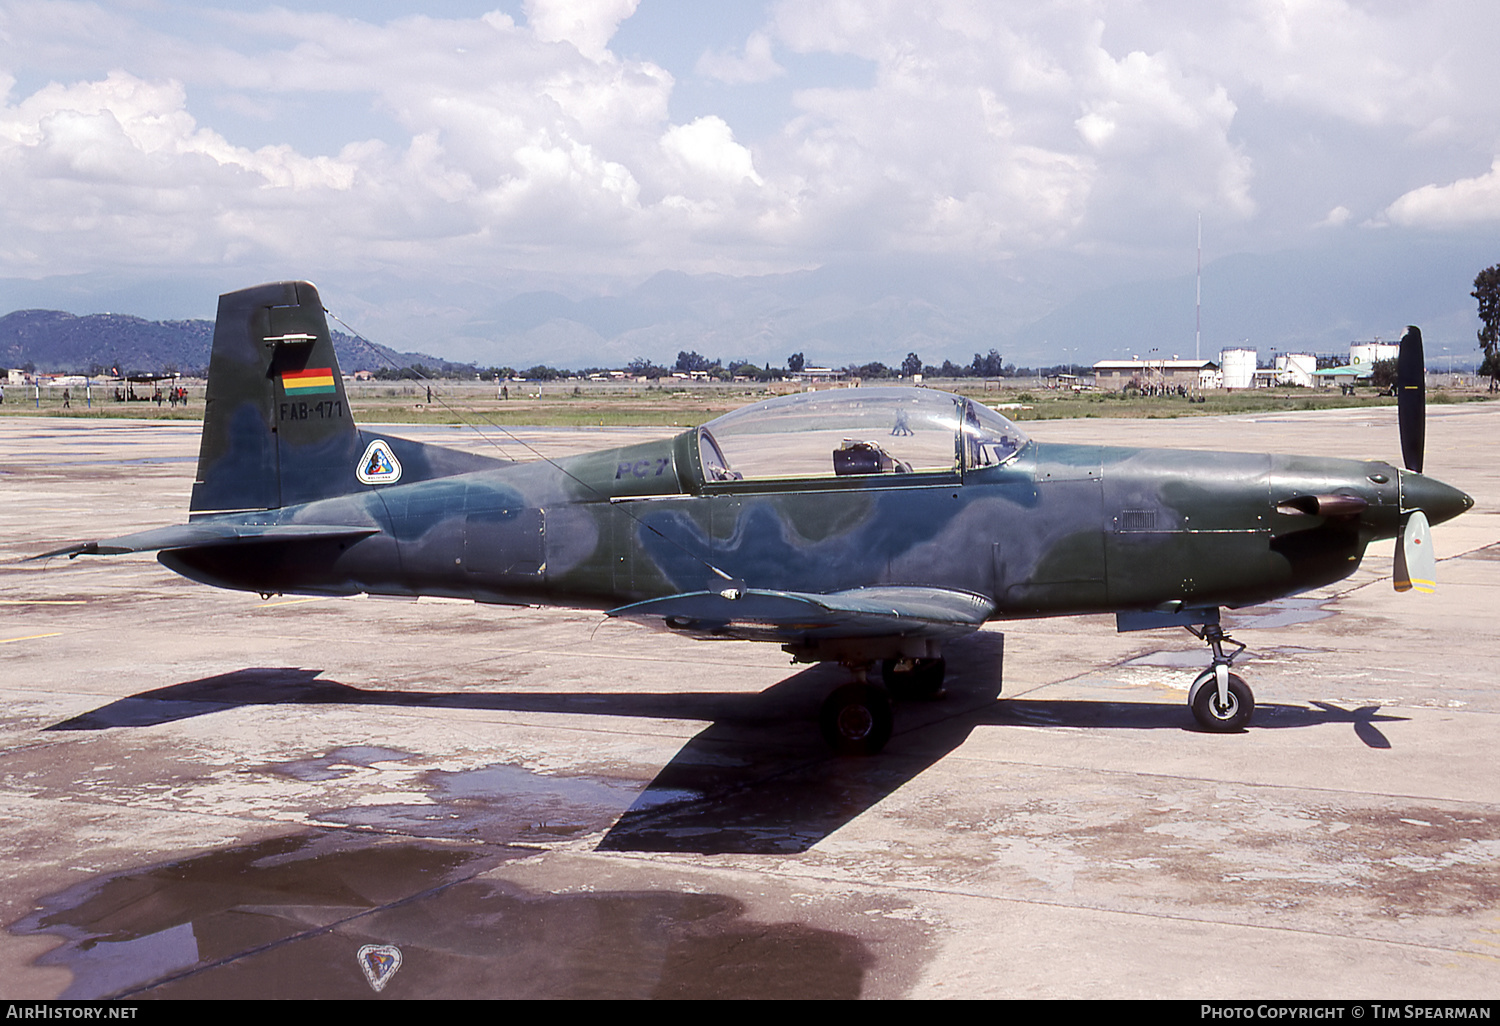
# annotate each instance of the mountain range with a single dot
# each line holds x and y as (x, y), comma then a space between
(51, 340)
(1355, 286)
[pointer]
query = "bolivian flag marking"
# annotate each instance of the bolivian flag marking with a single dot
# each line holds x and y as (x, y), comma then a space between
(313, 381)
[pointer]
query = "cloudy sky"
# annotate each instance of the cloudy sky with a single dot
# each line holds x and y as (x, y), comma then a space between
(586, 144)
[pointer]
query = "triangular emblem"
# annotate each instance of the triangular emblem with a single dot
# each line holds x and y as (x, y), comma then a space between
(378, 465)
(379, 963)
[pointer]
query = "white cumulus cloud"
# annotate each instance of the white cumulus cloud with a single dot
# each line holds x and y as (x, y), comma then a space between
(756, 64)
(966, 127)
(707, 146)
(587, 24)
(1468, 201)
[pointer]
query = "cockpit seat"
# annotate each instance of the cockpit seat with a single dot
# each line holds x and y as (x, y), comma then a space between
(856, 457)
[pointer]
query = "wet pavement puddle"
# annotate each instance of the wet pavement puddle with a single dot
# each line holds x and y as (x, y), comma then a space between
(126, 931)
(288, 918)
(1279, 613)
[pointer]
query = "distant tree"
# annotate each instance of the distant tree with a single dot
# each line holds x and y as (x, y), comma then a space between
(796, 362)
(1487, 291)
(868, 371)
(911, 366)
(642, 367)
(989, 366)
(1383, 374)
(693, 362)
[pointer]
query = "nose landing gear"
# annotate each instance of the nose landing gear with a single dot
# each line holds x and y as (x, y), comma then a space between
(1221, 701)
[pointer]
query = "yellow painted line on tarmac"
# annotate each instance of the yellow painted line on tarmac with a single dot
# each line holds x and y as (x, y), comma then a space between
(31, 637)
(293, 602)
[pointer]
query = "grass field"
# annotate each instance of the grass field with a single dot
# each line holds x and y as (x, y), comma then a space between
(611, 405)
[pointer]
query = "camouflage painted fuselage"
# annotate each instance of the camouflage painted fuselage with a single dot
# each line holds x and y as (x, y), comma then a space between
(787, 520)
(1059, 529)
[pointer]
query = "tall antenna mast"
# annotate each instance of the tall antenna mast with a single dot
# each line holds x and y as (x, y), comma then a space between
(1198, 330)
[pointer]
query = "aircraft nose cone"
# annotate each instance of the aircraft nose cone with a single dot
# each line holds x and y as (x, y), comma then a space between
(1438, 501)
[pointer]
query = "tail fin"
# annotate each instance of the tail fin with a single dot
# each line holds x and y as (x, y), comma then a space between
(277, 430)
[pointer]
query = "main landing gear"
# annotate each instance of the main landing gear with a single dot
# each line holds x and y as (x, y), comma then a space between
(856, 719)
(1221, 701)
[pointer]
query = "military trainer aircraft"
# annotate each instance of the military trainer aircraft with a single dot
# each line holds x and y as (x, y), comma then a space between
(867, 526)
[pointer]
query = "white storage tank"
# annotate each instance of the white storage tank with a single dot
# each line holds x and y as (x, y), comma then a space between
(1239, 367)
(1296, 369)
(1363, 354)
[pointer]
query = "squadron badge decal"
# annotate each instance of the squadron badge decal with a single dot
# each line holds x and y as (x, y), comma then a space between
(378, 465)
(379, 962)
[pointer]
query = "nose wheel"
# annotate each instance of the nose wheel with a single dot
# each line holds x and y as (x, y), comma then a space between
(1221, 701)
(1221, 714)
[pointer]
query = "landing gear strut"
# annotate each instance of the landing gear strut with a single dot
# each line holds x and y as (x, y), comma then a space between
(1221, 701)
(920, 679)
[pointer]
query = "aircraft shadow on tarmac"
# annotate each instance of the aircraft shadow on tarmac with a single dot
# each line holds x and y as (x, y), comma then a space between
(759, 779)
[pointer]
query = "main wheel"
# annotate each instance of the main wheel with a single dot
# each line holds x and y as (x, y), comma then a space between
(856, 719)
(914, 678)
(1234, 715)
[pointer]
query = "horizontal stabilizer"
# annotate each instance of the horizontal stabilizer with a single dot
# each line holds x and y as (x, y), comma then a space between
(757, 615)
(183, 536)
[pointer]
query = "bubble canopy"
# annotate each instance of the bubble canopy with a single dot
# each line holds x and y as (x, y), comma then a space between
(856, 431)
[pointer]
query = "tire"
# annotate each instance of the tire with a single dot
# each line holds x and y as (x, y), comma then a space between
(856, 719)
(920, 679)
(1210, 715)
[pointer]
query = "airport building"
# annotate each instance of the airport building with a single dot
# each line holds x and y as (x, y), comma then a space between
(1237, 368)
(1169, 374)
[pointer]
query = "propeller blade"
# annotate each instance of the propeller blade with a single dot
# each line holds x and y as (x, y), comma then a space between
(1416, 562)
(1411, 398)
